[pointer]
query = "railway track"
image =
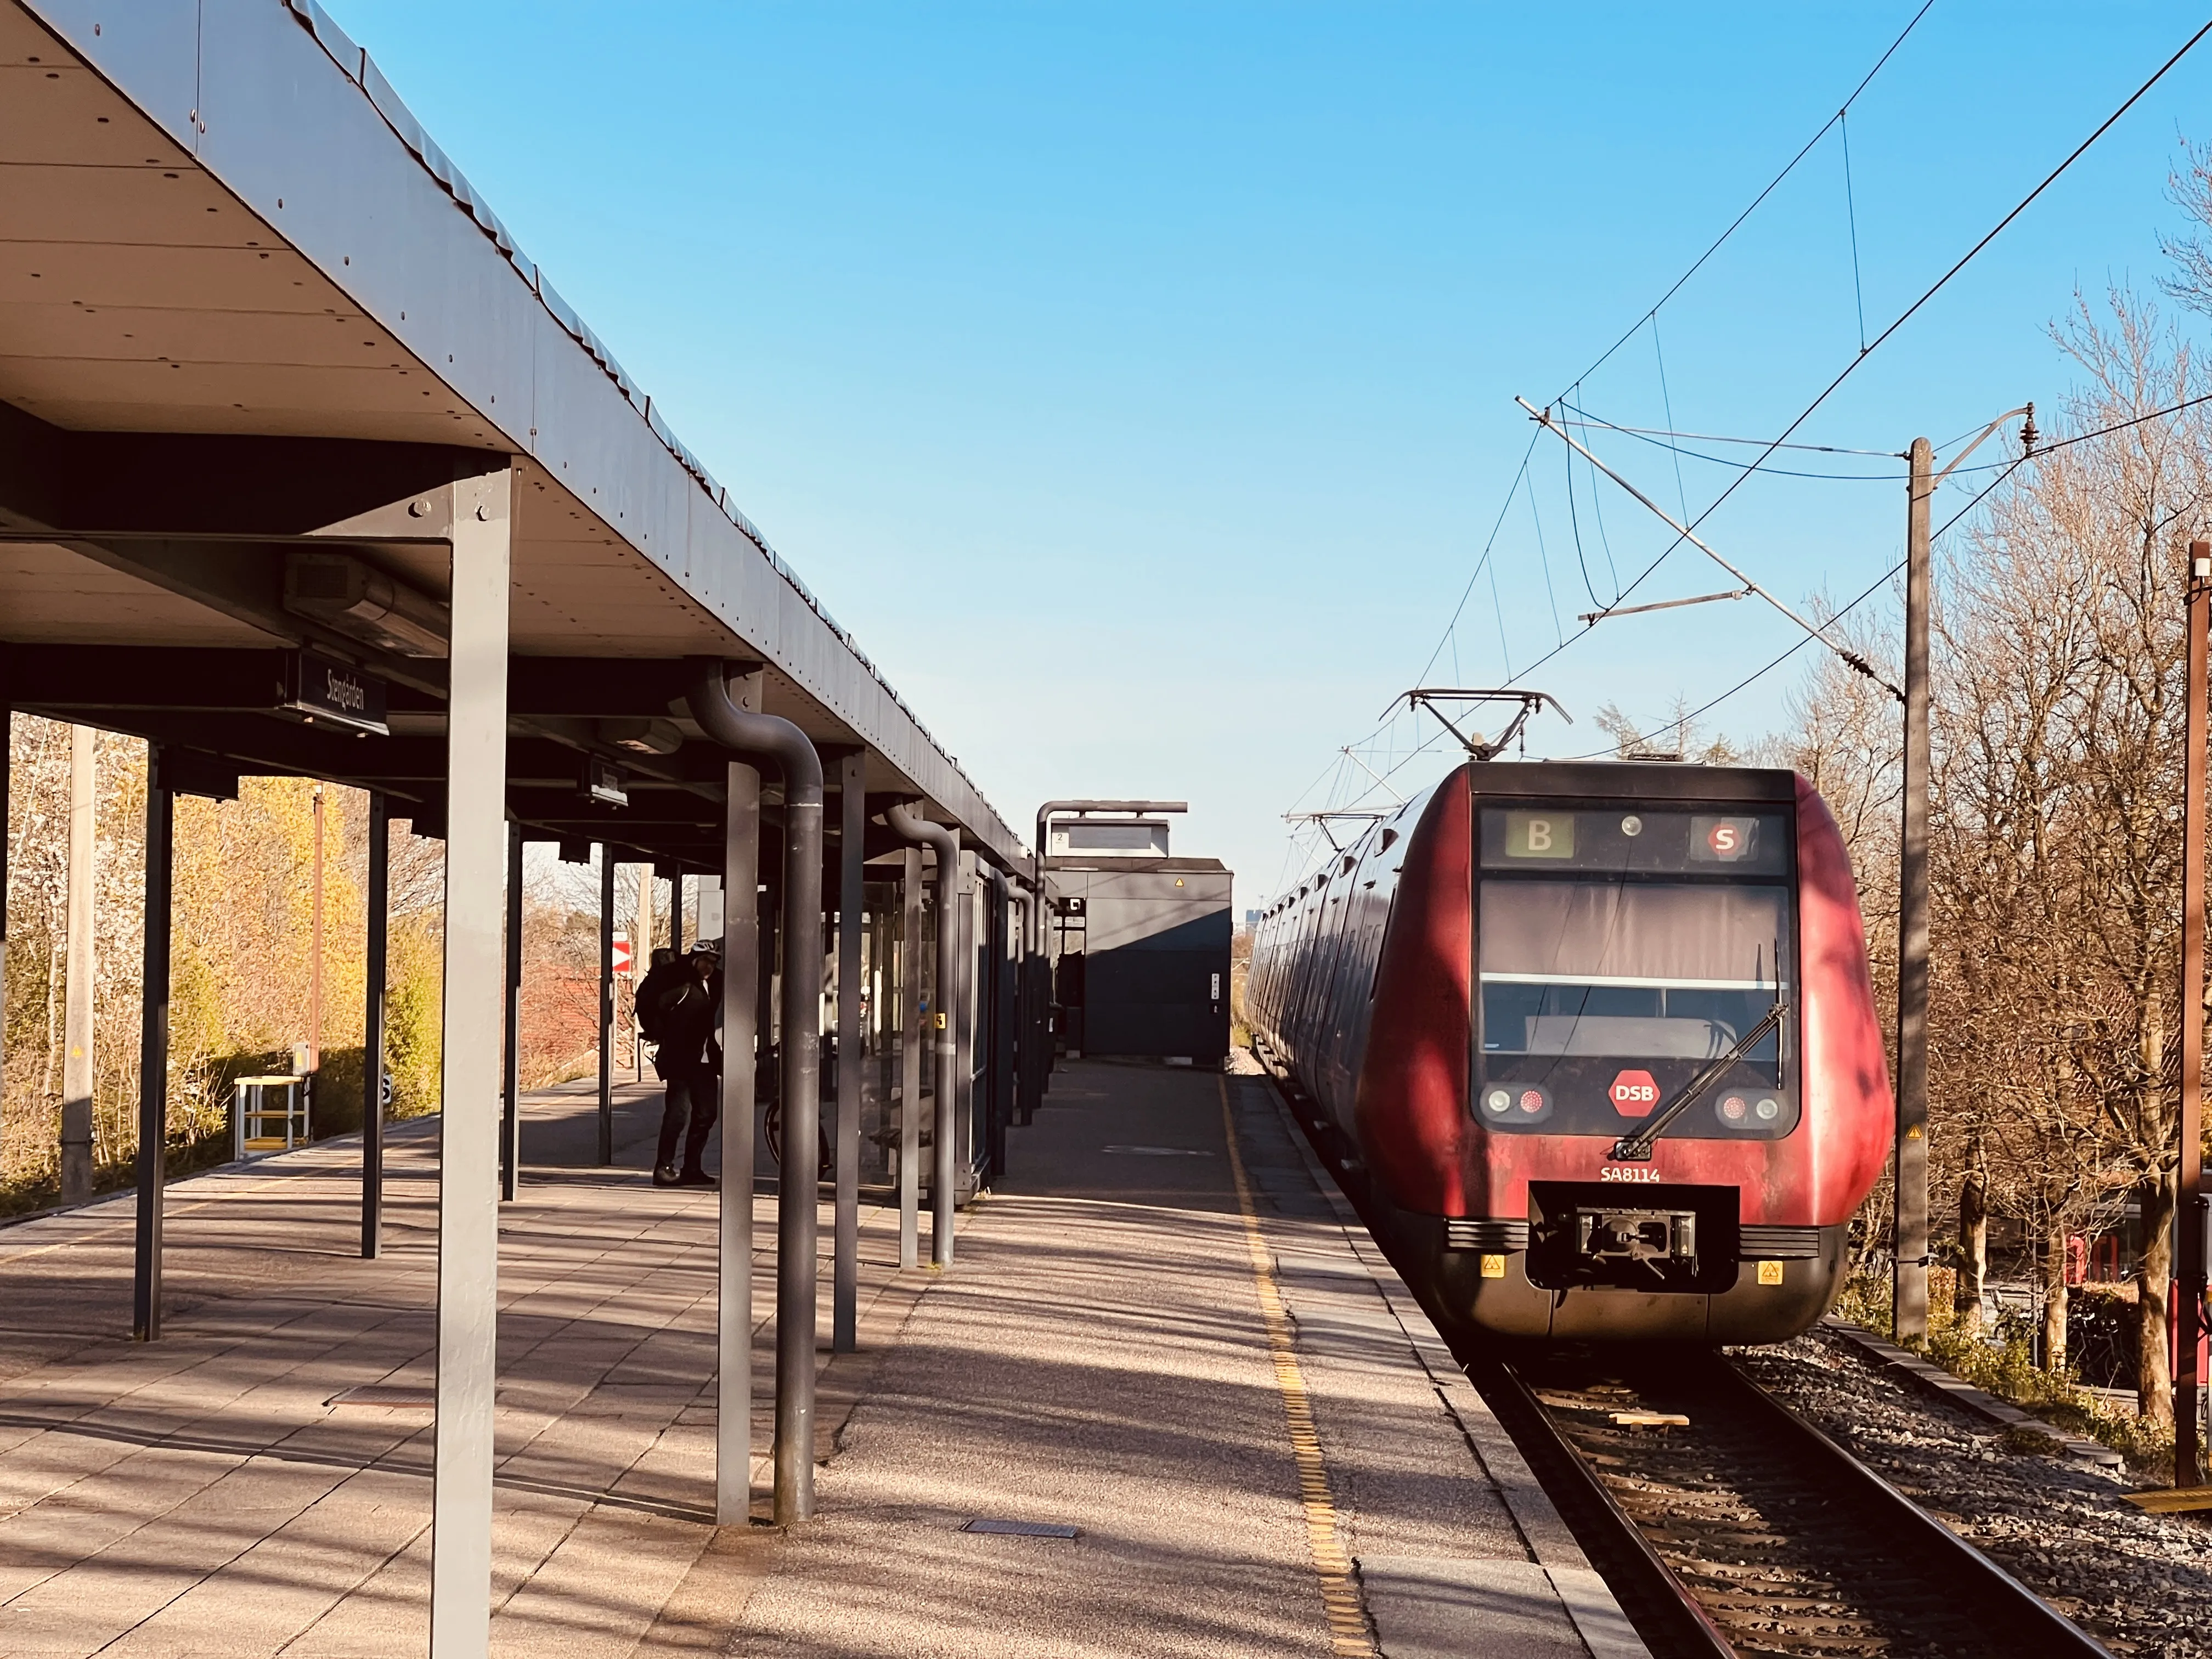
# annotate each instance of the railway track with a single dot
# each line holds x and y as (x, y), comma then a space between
(1745, 1531)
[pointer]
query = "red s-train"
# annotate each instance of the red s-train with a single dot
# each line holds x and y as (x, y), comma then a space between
(1503, 986)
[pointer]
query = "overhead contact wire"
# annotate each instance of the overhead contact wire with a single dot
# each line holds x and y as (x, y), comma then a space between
(1519, 475)
(1851, 214)
(1772, 184)
(1937, 534)
(1903, 317)
(1575, 523)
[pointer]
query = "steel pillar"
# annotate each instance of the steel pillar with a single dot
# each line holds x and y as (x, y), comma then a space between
(82, 967)
(607, 1006)
(852, 852)
(640, 956)
(913, 1040)
(995, 1006)
(7, 767)
(510, 1099)
(2189, 1176)
(767, 738)
(468, 1162)
(734, 1304)
(945, 1003)
(1909, 1305)
(371, 1038)
(153, 1058)
(963, 1153)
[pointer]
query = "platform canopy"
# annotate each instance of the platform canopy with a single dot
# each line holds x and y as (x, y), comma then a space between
(253, 324)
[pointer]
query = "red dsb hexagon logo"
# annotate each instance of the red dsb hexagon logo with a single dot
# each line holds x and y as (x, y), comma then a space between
(1634, 1094)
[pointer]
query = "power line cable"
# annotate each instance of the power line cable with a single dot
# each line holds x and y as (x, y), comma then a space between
(1889, 575)
(1902, 318)
(1575, 523)
(1475, 575)
(1498, 610)
(1936, 535)
(1754, 443)
(1544, 553)
(1781, 442)
(1597, 511)
(1772, 184)
(1851, 213)
(1584, 418)
(1666, 403)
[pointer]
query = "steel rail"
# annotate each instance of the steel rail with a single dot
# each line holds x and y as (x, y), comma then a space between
(2041, 1627)
(2017, 1619)
(1665, 1613)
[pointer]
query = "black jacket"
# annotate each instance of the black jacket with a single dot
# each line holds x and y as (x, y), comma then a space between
(684, 1028)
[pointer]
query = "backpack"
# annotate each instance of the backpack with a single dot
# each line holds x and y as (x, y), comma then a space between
(647, 1005)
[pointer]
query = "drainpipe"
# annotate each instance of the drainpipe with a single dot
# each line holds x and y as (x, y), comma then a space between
(1002, 1041)
(1025, 1041)
(767, 738)
(946, 843)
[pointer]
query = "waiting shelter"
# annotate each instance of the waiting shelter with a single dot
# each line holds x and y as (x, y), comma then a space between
(307, 470)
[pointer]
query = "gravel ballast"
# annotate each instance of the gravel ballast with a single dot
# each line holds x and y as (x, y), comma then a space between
(2139, 1583)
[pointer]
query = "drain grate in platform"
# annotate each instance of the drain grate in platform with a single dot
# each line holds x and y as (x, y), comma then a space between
(385, 1393)
(1023, 1529)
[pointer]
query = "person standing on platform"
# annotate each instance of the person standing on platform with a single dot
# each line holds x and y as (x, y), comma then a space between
(690, 1061)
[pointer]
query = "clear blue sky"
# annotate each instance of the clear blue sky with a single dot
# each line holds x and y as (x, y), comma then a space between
(1136, 382)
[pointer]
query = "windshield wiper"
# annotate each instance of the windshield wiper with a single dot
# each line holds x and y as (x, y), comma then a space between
(1637, 1148)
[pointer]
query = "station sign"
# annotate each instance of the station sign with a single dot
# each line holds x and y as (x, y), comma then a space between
(325, 691)
(604, 782)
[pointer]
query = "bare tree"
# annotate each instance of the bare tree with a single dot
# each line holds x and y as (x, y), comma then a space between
(2057, 870)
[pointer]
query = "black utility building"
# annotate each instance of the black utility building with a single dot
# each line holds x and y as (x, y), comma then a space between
(1140, 939)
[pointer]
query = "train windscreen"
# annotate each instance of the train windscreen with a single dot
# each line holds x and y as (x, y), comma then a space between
(1620, 950)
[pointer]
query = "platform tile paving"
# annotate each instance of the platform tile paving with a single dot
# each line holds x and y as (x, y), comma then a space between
(200, 1495)
(1096, 1360)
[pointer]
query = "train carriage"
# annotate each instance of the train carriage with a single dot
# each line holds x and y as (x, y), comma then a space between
(1599, 1041)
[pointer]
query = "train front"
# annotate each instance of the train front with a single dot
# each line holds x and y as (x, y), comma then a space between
(1675, 1092)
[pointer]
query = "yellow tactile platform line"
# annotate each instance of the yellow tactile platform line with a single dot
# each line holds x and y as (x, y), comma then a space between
(1339, 1590)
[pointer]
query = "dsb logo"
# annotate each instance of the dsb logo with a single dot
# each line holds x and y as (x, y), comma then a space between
(1634, 1094)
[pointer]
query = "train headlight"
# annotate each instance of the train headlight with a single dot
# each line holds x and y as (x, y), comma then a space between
(1632, 825)
(1497, 1102)
(1733, 1108)
(1768, 1110)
